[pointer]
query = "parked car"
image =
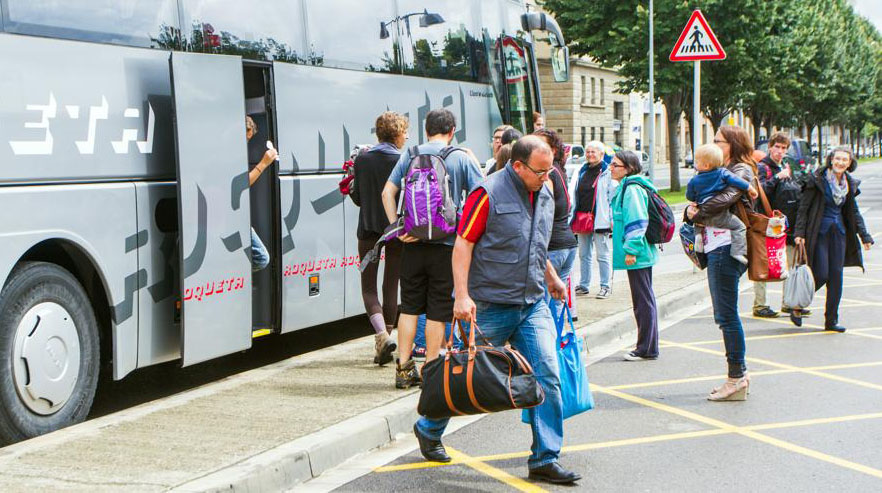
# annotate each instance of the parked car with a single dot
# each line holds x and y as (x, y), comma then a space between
(689, 162)
(799, 155)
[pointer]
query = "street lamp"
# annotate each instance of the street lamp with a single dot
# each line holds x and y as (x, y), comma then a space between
(426, 19)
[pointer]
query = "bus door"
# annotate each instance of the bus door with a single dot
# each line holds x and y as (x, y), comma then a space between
(264, 193)
(213, 205)
(514, 80)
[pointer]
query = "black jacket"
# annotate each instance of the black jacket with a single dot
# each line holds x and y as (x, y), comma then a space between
(372, 169)
(811, 212)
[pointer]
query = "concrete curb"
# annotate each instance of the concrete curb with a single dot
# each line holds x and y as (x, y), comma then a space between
(306, 458)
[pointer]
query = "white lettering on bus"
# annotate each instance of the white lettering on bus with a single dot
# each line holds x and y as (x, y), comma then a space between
(95, 113)
(44, 146)
(101, 112)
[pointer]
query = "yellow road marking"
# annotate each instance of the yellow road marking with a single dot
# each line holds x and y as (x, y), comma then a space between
(463, 459)
(861, 334)
(498, 474)
(761, 361)
(658, 383)
(744, 431)
(760, 338)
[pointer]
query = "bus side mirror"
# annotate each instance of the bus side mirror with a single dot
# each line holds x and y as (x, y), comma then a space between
(560, 63)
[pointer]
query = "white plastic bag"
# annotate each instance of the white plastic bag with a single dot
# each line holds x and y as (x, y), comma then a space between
(799, 290)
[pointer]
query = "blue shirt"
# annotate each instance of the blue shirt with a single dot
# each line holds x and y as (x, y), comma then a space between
(706, 184)
(464, 175)
(832, 212)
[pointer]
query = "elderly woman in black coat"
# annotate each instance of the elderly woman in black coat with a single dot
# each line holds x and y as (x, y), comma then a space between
(828, 224)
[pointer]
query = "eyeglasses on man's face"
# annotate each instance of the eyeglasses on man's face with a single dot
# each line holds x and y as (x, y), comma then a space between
(540, 174)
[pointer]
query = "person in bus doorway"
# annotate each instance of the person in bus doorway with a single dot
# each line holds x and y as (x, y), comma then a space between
(592, 194)
(372, 169)
(507, 300)
(829, 225)
(259, 254)
(495, 145)
(632, 252)
(562, 245)
(426, 274)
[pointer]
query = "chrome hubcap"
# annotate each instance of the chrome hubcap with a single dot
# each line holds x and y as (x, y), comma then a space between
(46, 358)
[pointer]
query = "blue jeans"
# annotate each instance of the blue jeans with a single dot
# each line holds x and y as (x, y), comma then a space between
(259, 255)
(723, 274)
(587, 244)
(562, 261)
(531, 331)
(419, 339)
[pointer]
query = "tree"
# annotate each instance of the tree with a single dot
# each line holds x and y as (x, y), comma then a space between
(616, 34)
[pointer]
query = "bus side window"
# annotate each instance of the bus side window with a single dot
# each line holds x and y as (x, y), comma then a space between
(264, 30)
(145, 23)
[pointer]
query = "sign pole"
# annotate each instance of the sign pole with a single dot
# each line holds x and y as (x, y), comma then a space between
(696, 110)
(651, 136)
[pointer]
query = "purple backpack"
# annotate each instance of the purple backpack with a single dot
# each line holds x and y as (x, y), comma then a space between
(426, 204)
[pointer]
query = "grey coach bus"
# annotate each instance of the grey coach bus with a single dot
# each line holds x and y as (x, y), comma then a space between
(125, 208)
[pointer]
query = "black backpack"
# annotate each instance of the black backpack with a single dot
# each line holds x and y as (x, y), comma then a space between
(786, 199)
(661, 218)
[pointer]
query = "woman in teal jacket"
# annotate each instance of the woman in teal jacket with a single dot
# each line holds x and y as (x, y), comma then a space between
(631, 251)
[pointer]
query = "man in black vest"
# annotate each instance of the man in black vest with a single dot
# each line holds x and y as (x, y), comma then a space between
(500, 270)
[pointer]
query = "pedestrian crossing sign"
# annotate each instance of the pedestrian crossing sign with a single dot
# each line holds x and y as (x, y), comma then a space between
(697, 42)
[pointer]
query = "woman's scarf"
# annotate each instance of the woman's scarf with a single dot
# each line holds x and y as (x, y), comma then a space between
(839, 188)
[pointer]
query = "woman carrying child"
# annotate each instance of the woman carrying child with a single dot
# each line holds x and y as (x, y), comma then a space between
(724, 271)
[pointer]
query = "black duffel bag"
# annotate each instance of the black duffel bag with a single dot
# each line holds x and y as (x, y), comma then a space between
(477, 379)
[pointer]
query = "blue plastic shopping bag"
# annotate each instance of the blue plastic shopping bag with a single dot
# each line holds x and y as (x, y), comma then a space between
(574, 389)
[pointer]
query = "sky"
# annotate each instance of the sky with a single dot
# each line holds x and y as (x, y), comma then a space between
(871, 9)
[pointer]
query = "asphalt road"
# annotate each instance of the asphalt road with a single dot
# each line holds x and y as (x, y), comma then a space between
(813, 420)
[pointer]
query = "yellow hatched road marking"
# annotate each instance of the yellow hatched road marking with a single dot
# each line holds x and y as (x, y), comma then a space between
(463, 459)
(745, 431)
(761, 361)
(760, 338)
(498, 474)
(861, 334)
(657, 383)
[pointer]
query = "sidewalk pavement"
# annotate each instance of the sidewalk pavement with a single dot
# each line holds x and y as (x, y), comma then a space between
(271, 428)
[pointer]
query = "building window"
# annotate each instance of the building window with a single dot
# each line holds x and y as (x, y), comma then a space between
(583, 134)
(584, 90)
(704, 133)
(618, 110)
(601, 91)
(593, 90)
(593, 135)
(601, 134)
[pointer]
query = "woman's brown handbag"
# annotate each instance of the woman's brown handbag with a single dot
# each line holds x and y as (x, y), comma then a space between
(477, 379)
(766, 255)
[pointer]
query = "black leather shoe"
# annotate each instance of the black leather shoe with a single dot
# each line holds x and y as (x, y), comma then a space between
(765, 312)
(431, 449)
(796, 319)
(554, 473)
(835, 328)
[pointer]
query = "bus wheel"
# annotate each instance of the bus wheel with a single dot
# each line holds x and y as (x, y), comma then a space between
(49, 341)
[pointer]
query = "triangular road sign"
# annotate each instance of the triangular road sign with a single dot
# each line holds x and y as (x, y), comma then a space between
(697, 42)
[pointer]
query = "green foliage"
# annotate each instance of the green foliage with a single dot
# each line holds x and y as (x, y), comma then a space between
(798, 63)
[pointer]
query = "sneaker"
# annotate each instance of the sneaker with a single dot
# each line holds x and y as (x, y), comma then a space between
(633, 356)
(603, 294)
(581, 291)
(383, 348)
(406, 376)
(765, 312)
(418, 353)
